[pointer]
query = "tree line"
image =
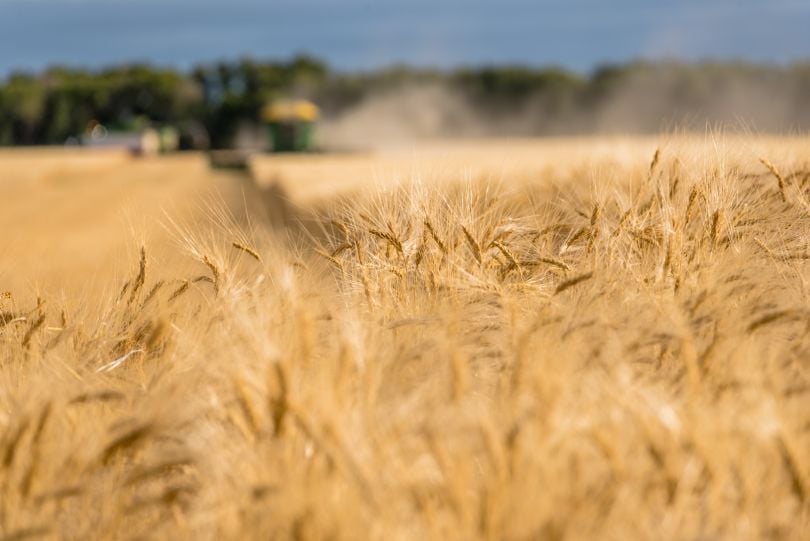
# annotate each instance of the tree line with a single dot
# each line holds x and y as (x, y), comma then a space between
(210, 103)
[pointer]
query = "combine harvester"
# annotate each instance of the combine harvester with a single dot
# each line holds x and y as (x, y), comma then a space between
(289, 126)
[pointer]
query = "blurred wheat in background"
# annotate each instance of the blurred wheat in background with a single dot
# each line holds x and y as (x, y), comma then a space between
(589, 339)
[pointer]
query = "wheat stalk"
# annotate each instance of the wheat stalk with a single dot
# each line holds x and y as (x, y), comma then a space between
(336, 262)
(508, 254)
(572, 282)
(248, 250)
(180, 290)
(341, 248)
(654, 162)
(388, 237)
(215, 272)
(137, 284)
(780, 180)
(474, 246)
(435, 236)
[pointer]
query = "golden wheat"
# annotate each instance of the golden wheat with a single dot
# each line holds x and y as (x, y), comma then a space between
(544, 357)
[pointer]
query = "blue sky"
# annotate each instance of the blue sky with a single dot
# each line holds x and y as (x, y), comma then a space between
(363, 34)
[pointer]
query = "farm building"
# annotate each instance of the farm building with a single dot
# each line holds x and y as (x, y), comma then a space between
(140, 141)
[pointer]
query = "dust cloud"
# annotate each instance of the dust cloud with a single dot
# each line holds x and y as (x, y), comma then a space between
(403, 115)
(646, 102)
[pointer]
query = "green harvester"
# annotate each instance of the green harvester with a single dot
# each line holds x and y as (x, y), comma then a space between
(291, 125)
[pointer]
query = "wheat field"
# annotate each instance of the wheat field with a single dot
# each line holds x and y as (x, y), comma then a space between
(569, 339)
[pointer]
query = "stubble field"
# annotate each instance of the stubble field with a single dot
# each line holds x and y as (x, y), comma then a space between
(567, 339)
